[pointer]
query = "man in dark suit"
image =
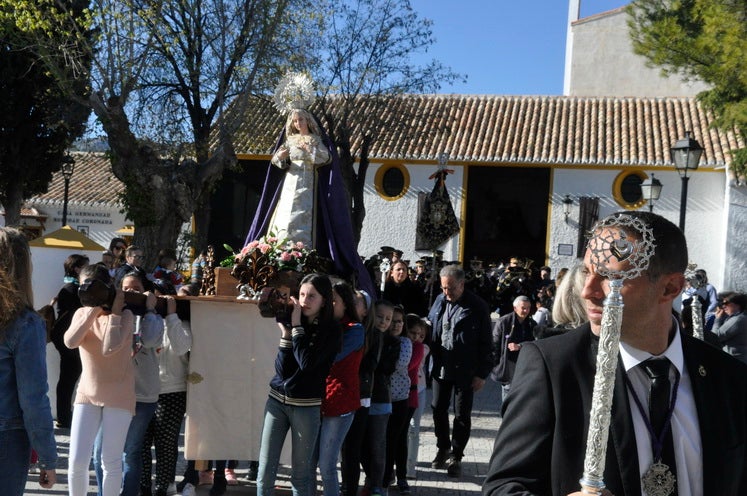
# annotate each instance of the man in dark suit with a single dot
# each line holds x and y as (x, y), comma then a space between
(540, 446)
(462, 360)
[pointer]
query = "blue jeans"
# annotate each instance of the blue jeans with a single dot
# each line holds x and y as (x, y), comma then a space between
(303, 422)
(14, 458)
(331, 436)
(133, 456)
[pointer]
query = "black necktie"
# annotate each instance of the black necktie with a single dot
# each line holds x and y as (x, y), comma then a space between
(659, 403)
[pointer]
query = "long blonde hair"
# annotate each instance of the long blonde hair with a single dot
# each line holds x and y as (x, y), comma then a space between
(568, 309)
(15, 275)
(290, 129)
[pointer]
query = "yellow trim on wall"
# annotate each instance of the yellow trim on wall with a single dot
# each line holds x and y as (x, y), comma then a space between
(463, 211)
(379, 180)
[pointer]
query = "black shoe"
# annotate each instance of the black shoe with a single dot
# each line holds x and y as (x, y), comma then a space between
(404, 488)
(253, 470)
(442, 457)
(454, 468)
(219, 485)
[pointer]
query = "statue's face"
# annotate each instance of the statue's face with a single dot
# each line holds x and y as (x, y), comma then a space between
(300, 123)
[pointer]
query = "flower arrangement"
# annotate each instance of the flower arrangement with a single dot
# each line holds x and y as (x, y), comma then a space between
(284, 254)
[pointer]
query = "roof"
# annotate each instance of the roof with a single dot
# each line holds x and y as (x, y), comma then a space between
(497, 129)
(66, 238)
(92, 183)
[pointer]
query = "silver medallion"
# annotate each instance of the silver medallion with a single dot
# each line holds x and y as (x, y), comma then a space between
(658, 480)
(447, 325)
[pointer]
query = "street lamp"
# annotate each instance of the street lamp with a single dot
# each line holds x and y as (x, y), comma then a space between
(567, 204)
(650, 191)
(68, 166)
(686, 157)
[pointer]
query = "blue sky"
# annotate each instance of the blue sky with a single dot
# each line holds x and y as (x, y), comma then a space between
(506, 47)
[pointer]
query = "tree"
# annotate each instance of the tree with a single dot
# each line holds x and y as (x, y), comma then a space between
(39, 121)
(367, 47)
(704, 40)
(162, 74)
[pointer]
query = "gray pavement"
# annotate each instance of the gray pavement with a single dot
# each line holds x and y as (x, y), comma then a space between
(429, 482)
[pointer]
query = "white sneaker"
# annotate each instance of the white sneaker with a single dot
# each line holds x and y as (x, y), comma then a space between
(189, 490)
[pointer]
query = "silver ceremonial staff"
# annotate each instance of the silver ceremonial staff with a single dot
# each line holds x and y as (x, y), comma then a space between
(697, 308)
(626, 242)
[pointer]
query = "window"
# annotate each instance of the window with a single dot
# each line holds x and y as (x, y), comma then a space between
(392, 181)
(626, 189)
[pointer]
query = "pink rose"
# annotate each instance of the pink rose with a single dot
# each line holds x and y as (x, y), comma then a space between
(264, 247)
(272, 239)
(285, 257)
(297, 254)
(252, 245)
(299, 245)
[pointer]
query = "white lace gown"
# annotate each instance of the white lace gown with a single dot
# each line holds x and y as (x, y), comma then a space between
(294, 215)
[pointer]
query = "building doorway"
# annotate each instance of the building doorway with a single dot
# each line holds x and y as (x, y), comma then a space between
(506, 214)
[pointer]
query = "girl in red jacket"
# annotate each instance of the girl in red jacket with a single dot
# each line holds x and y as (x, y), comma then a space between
(342, 396)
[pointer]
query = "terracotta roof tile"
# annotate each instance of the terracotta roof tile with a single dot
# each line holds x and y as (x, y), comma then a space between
(514, 129)
(92, 183)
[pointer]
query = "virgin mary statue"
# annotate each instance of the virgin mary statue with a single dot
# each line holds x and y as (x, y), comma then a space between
(303, 198)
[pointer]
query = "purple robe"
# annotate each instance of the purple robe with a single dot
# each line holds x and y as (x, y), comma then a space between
(334, 229)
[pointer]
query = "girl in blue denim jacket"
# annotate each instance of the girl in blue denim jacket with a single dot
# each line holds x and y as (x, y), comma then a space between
(25, 414)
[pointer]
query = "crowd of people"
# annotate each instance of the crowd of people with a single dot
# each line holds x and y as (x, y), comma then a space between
(352, 369)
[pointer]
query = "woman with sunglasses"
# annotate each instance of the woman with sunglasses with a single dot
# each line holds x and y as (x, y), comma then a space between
(117, 247)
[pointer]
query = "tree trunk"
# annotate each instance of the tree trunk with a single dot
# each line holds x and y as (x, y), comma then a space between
(12, 205)
(357, 191)
(161, 192)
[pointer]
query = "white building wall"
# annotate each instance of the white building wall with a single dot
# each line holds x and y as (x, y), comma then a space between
(735, 217)
(98, 222)
(392, 223)
(603, 62)
(705, 223)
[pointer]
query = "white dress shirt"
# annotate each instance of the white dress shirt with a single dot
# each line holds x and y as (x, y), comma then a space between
(685, 428)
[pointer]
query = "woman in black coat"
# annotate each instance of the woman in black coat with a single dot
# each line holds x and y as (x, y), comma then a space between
(70, 367)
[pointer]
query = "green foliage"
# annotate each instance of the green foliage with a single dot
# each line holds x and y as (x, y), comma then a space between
(704, 40)
(40, 120)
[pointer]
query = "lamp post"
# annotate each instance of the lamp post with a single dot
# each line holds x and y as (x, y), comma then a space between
(68, 166)
(567, 204)
(686, 157)
(650, 191)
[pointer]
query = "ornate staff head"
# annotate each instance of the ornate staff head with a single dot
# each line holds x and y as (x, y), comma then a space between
(693, 276)
(623, 238)
(696, 280)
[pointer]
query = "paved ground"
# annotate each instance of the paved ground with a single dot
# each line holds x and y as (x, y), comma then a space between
(429, 482)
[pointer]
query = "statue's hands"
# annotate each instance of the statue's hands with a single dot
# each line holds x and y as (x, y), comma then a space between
(283, 153)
